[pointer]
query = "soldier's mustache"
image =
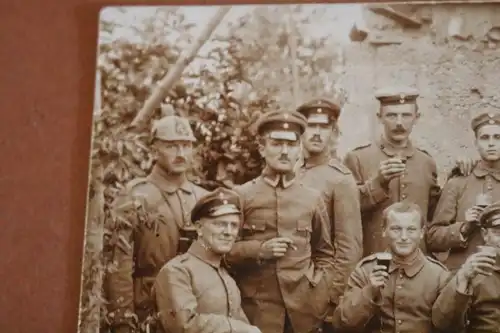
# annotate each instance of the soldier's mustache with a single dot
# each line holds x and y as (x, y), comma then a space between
(284, 158)
(399, 129)
(316, 138)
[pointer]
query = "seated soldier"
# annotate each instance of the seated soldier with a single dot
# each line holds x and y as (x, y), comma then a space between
(396, 296)
(194, 292)
(472, 297)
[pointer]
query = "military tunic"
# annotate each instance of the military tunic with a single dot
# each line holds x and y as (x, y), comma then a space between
(418, 184)
(459, 194)
(406, 301)
(336, 183)
(296, 285)
(145, 242)
(195, 294)
(478, 310)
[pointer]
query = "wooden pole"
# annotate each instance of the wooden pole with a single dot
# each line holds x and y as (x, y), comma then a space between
(292, 45)
(176, 71)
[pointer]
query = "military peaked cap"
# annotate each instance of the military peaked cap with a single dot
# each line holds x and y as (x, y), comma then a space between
(485, 118)
(490, 217)
(216, 203)
(282, 125)
(320, 111)
(173, 128)
(396, 95)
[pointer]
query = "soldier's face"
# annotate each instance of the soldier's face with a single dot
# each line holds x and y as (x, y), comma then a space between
(317, 137)
(219, 233)
(488, 142)
(174, 156)
(491, 237)
(403, 232)
(281, 155)
(398, 121)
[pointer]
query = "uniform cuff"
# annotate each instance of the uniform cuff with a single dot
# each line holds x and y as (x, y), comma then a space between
(248, 249)
(457, 240)
(376, 191)
(369, 294)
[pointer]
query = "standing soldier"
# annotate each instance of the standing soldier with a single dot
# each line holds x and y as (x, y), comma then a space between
(283, 259)
(454, 230)
(194, 291)
(327, 174)
(391, 169)
(153, 215)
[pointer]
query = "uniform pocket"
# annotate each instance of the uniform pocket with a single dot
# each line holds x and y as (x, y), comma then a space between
(304, 229)
(253, 227)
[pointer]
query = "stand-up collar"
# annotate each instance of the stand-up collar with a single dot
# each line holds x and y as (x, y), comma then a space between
(392, 151)
(481, 170)
(273, 178)
(316, 160)
(197, 250)
(159, 177)
(411, 268)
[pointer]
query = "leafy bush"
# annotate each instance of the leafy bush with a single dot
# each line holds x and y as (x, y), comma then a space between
(248, 73)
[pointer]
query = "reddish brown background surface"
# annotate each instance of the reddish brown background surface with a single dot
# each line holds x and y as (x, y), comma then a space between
(47, 55)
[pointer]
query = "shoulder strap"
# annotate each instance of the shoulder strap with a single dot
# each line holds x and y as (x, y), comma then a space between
(339, 166)
(423, 151)
(367, 259)
(365, 145)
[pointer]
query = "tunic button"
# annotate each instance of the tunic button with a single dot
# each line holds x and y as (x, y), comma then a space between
(399, 287)
(253, 226)
(400, 321)
(403, 196)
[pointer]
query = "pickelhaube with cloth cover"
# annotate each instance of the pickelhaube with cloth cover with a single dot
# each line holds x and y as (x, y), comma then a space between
(173, 128)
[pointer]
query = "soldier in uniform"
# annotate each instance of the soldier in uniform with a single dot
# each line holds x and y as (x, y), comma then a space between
(328, 174)
(194, 292)
(397, 298)
(153, 217)
(471, 298)
(283, 259)
(392, 169)
(454, 230)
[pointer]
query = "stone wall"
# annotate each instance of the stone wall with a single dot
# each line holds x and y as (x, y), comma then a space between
(448, 58)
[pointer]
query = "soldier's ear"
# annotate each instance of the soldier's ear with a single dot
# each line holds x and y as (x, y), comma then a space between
(484, 234)
(261, 149)
(198, 225)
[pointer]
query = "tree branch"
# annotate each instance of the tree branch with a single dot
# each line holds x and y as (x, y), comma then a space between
(176, 71)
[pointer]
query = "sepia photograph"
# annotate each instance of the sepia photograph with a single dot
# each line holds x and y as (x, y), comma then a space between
(297, 168)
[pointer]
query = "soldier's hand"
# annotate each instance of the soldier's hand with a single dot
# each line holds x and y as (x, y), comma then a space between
(378, 277)
(480, 263)
(391, 168)
(472, 214)
(466, 164)
(275, 247)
